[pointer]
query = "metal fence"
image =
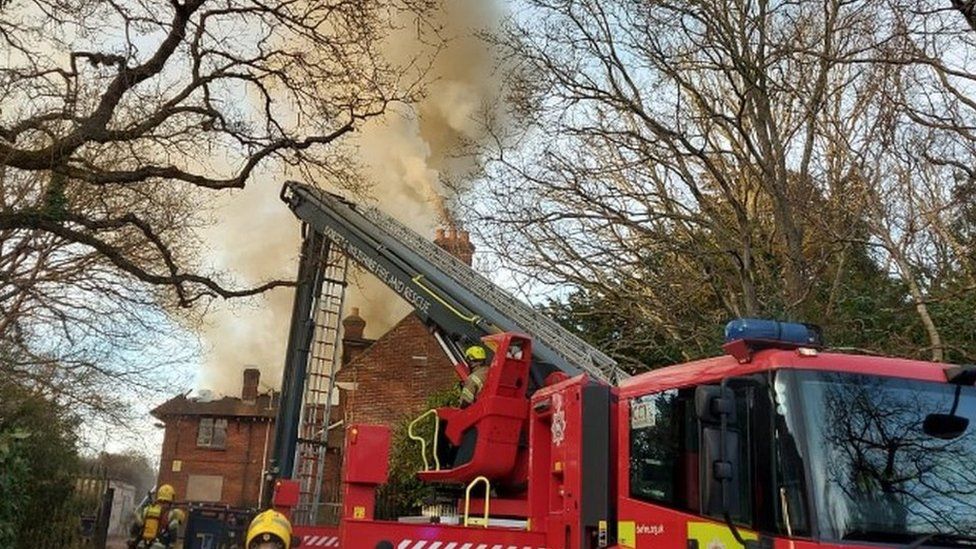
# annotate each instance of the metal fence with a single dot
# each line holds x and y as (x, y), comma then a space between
(80, 521)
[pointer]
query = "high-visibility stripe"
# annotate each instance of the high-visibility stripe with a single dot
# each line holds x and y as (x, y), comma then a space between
(320, 541)
(422, 544)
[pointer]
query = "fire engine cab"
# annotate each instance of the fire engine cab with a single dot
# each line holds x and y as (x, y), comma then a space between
(775, 443)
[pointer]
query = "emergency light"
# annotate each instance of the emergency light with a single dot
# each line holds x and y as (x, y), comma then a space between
(772, 331)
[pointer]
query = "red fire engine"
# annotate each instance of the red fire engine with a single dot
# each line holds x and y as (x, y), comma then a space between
(776, 443)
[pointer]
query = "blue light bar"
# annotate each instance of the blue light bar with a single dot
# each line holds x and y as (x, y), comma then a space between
(772, 331)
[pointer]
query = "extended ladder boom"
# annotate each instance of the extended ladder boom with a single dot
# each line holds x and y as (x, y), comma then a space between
(443, 291)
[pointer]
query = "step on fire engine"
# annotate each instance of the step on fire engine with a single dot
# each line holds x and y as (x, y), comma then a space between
(776, 443)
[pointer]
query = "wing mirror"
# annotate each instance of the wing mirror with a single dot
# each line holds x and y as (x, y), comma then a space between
(946, 426)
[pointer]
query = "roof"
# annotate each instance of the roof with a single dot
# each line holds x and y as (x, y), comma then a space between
(714, 369)
(265, 407)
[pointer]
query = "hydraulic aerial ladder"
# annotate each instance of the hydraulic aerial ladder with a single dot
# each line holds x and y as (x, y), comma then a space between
(458, 305)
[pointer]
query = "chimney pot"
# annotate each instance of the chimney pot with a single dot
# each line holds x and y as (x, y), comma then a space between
(465, 237)
(249, 391)
(453, 234)
(439, 234)
(353, 325)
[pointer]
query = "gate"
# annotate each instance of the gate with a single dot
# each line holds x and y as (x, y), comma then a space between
(81, 521)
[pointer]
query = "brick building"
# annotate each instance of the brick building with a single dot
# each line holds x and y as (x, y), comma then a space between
(215, 450)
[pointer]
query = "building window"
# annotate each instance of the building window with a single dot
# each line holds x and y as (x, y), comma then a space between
(212, 433)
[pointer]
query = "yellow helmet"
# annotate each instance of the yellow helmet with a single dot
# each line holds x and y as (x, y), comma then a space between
(475, 352)
(165, 493)
(269, 529)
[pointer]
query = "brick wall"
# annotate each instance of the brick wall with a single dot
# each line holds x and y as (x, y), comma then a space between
(396, 375)
(239, 464)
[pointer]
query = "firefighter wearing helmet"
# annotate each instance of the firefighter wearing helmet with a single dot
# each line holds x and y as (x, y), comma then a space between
(157, 521)
(478, 362)
(269, 530)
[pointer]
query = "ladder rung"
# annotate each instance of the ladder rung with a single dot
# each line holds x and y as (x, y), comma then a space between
(311, 442)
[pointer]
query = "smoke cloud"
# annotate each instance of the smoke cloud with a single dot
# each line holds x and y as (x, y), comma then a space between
(406, 156)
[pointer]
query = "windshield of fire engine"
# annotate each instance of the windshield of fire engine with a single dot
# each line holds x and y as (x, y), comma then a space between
(889, 459)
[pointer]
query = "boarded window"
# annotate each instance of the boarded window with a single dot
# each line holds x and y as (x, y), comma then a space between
(212, 433)
(204, 487)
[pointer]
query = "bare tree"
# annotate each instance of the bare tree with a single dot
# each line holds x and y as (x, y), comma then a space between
(119, 118)
(968, 10)
(690, 161)
(917, 163)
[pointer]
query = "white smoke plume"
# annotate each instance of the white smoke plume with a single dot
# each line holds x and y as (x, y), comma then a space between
(405, 156)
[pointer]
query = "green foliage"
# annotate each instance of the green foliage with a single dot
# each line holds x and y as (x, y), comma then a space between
(404, 493)
(55, 198)
(14, 476)
(861, 308)
(955, 310)
(38, 460)
(627, 334)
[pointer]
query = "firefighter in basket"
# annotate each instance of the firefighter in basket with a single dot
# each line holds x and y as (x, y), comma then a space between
(478, 362)
(157, 522)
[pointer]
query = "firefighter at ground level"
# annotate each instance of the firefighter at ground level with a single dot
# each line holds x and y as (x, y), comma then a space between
(269, 530)
(478, 362)
(157, 523)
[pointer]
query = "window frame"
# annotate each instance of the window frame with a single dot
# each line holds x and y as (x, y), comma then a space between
(207, 433)
(758, 468)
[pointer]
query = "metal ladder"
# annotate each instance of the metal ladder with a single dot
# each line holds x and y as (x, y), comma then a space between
(534, 323)
(316, 412)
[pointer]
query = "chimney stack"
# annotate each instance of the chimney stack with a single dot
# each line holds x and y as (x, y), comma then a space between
(353, 340)
(457, 243)
(353, 325)
(249, 392)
